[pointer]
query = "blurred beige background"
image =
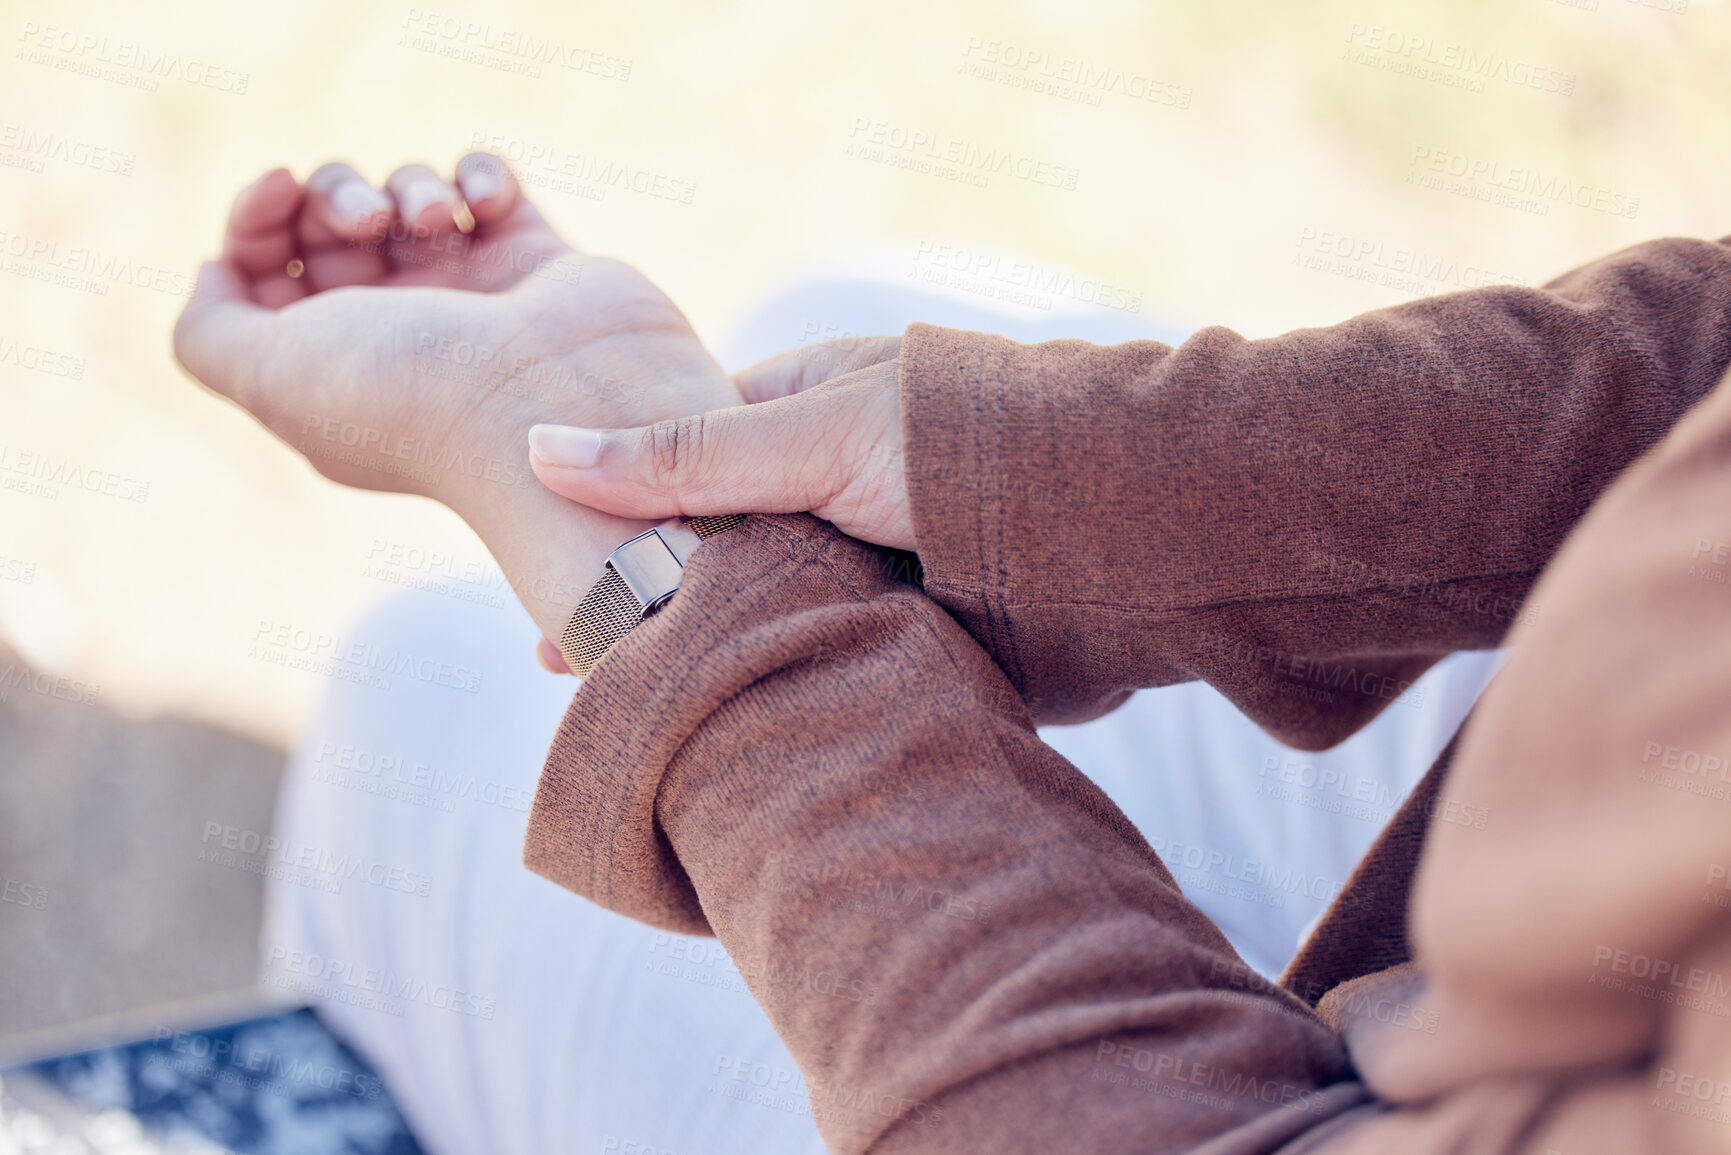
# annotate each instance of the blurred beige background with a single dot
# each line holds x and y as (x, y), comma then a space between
(1255, 164)
(1249, 163)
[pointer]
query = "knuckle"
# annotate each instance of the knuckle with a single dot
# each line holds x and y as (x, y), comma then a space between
(409, 172)
(675, 451)
(329, 174)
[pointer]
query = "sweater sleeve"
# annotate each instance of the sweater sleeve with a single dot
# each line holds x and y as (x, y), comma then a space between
(964, 944)
(1306, 522)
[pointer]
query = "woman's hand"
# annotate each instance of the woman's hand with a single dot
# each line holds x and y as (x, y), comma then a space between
(367, 329)
(826, 438)
(397, 351)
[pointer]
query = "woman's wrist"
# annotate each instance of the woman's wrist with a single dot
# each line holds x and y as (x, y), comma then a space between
(551, 550)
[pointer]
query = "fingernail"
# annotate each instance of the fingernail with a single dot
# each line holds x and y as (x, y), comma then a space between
(421, 196)
(354, 201)
(480, 183)
(565, 445)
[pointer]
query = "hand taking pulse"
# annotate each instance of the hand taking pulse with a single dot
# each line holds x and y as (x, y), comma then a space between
(824, 435)
(368, 330)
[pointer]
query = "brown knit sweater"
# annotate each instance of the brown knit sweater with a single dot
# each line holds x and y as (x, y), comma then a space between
(837, 773)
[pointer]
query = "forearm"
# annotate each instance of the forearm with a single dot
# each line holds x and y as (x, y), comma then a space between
(915, 888)
(1306, 522)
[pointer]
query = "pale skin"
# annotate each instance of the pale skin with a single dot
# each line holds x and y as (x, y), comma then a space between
(367, 329)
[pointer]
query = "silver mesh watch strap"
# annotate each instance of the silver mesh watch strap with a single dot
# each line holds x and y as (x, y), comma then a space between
(641, 576)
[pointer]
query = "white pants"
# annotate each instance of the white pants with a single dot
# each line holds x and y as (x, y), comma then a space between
(509, 1016)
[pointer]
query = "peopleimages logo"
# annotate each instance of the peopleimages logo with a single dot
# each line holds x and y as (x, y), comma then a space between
(1516, 186)
(283, 643)
(1442, 62)
(544, 164)
(365, 440)
(1018, 281)
(85, 269)
(1271, 879)
(16, 676)
(122, 61)
(54, 473)
(1711, 561)
(950, 157)
(254, 1067)
(41, 360)
(1178, 1070)
(507, 49)
(23, 894)
(1355, 794)
(1660, 980)
(376, 988)
(1687, 761)
(896, 893)
(327, 864)
(1393, 266)
(33, 148)
(1065, 77)
(438, 782)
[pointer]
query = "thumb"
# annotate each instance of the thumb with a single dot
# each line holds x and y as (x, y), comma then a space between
(220, 334)
(782, 456)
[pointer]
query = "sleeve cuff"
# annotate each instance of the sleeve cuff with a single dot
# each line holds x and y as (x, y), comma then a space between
(593, 827)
